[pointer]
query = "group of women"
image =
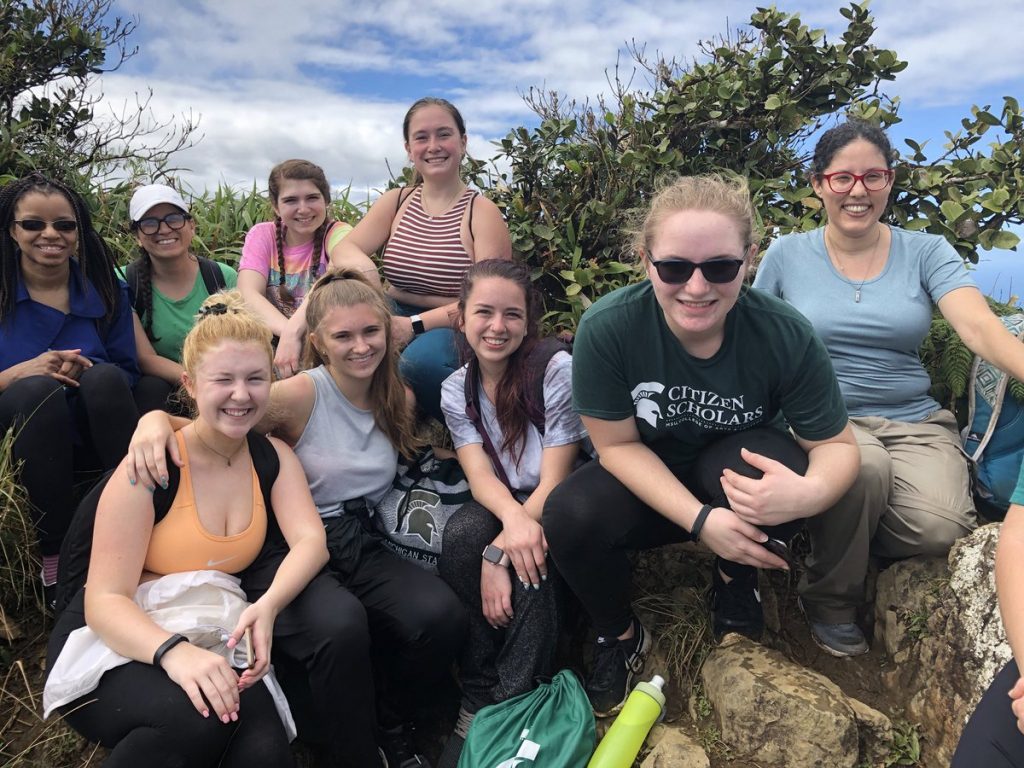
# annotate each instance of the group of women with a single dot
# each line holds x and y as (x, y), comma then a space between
(721, 413)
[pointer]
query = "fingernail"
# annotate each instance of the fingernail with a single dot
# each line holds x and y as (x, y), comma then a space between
(131, 481)
(163, 482)
(206, 713)
(225, 719)
(536, 586)
(151, 489)
(543, 577)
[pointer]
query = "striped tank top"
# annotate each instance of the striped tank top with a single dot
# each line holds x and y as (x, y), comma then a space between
(425, 253)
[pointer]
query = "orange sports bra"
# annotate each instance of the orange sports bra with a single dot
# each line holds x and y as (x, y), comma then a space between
(180, 543)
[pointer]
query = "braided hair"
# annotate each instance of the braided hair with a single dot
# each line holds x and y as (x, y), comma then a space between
(95, 260)
(145, 288)
(298, 170)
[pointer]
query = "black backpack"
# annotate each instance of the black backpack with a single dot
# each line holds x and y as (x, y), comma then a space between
(77, 545)
(537, 360)
(210, 271)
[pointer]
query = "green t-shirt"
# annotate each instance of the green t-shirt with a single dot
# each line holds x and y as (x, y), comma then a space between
(770, 370)
(173, 319)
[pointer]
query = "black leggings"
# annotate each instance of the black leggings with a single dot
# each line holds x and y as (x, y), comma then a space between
(592, 521)
(58, 431)
(497, 664)
(991, 738)
(146, 719)
(368, 637)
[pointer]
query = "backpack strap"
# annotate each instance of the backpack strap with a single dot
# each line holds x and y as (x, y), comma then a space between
(997, 405)
(134, 280)
(472, 392)
(213, 277)
(472, 202)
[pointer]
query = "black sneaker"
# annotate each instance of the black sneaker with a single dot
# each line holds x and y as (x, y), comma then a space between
(616, 665)
(397, 750)
(736, 607)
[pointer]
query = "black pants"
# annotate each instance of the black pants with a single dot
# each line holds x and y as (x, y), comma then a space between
(990, 738)
(58, 431)
(154, 394)
(372, 634)
(497, 664)
(591, 521)
(146, 719)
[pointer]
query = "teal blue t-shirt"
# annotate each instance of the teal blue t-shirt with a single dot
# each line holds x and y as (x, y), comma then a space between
(873, 342)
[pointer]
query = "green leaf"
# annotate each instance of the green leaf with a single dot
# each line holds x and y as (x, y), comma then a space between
(1005, 240)
(543, 231)
(952, 211)
(772, 103)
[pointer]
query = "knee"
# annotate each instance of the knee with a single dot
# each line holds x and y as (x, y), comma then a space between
(874, 478)
(39, 397)
(568, 517)
(466, 533)
(436, 619)
(104, 380)
(341, 633)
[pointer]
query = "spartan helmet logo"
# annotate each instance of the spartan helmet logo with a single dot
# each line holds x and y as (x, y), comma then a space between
(647, 409)
(416, 511)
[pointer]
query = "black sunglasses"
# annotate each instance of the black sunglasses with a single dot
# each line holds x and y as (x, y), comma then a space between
(678, 271)
(151, 224)
(38, 225)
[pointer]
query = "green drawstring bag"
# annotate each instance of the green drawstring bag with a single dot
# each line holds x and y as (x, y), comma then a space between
(551, 726)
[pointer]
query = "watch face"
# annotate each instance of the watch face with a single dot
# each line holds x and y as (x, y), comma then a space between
(493, 554)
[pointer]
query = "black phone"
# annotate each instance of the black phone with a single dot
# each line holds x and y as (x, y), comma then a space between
(779, 548)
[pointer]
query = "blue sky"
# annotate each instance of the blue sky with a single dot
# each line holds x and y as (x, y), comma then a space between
(330, 81)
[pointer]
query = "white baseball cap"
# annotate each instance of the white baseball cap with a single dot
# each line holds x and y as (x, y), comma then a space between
(154, 194)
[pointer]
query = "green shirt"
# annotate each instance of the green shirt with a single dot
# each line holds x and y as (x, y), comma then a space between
(771, 369)
(173, 319)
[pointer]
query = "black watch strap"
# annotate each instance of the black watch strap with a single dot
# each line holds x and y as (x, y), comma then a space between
(165, 646)
(698, 522)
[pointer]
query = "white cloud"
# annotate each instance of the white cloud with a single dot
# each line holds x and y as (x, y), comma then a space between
(273, 81)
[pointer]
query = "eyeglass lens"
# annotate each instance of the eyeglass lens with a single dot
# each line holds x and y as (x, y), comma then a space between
(678, 271)
(38, 225)
(151, 225)
(873, 181)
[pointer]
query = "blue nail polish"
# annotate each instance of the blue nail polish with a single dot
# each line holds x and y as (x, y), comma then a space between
(131, 481)
(163, 482)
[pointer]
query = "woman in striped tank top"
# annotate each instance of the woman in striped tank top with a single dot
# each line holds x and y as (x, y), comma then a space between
(428, 236)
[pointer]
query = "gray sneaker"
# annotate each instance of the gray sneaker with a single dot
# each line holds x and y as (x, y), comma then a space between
(843, 639)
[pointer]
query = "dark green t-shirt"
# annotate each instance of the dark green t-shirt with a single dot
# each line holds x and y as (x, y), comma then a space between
(770, 370)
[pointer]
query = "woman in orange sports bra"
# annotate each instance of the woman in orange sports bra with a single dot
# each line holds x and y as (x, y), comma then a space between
(172, 701)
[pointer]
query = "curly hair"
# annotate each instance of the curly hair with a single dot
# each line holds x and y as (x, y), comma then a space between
(834, 139)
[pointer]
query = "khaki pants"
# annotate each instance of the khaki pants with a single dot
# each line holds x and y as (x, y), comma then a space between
(911, 497)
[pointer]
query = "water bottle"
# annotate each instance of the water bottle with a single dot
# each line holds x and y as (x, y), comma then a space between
(621, 745)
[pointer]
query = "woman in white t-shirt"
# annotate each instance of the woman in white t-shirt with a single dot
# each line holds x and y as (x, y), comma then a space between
(512, 591)
(281, 259)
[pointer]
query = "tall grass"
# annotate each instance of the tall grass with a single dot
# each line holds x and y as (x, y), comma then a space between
(18, 562)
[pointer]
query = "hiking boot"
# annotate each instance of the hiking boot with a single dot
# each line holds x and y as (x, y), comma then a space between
(616, 664)
(736, 607)
(397, 750)
(843, 639)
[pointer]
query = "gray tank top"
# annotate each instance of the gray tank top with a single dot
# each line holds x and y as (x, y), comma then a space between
(344, 454)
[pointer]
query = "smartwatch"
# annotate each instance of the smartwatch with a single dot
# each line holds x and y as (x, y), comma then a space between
(419, 328)
(495, 555)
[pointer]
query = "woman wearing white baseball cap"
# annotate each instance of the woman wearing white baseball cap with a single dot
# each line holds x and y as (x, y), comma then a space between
(168, 283)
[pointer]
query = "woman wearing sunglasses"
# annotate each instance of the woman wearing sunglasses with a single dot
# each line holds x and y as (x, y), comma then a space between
(168, 284)
(67, 351)
(869, 289)
(686, 383)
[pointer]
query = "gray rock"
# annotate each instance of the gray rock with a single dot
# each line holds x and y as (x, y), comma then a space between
(941, 628)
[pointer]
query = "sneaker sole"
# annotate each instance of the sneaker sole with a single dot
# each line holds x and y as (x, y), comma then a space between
(645, 647)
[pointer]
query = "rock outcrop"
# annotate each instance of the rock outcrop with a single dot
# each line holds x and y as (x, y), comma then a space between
(941, 628)
(775, 712)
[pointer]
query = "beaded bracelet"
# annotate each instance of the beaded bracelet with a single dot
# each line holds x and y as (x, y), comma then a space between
(698, 522)
(165, 646)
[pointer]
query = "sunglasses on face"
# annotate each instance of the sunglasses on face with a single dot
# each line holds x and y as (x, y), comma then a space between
(38, 225)
(679, 271)
(151, 224)
(874, 180)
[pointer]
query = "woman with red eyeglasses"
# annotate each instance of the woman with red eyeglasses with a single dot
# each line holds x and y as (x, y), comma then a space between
(869, 289)
(686, 383)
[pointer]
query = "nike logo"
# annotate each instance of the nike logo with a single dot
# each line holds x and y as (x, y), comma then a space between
(211, 563)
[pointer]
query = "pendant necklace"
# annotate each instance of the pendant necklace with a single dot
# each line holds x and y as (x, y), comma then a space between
(226, 456)
(832, 250)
